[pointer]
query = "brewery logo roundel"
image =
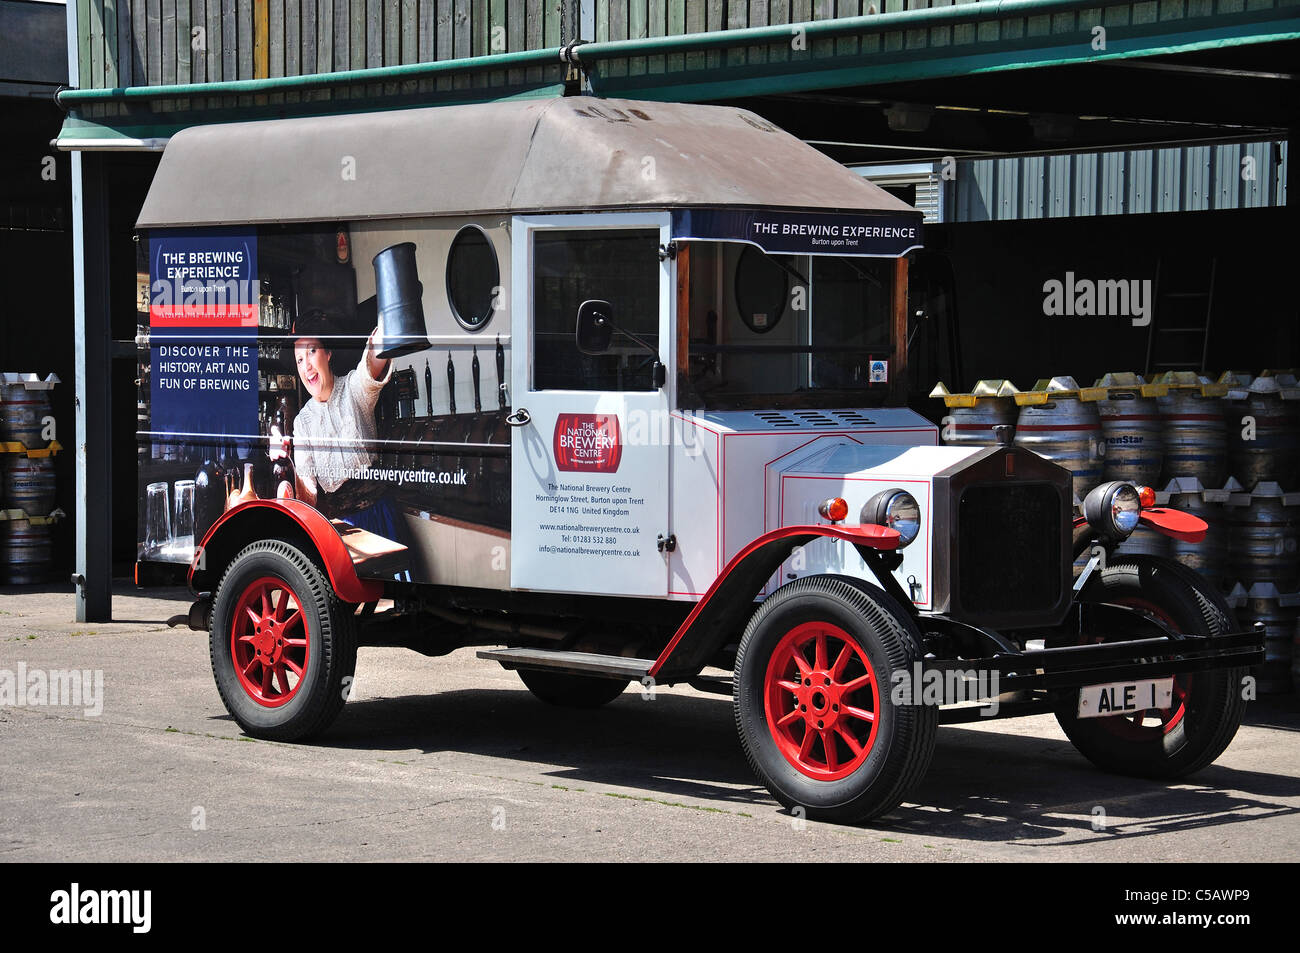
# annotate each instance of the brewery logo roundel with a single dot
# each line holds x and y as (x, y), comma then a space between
(589, 443)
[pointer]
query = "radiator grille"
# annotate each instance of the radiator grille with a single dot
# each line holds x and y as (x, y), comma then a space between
(1010, 548)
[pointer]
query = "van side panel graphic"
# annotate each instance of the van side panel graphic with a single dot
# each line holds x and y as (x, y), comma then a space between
(263, 380)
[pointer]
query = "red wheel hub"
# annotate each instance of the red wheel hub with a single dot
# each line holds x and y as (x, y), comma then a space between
(268, 642)
(821, 700)
(1153, 722)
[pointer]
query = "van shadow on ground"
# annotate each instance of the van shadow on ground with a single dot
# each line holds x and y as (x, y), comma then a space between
(982, 786)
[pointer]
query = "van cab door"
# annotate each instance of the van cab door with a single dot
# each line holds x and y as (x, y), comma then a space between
(590, 435)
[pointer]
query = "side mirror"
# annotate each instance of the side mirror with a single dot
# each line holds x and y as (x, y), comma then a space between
(595, 327)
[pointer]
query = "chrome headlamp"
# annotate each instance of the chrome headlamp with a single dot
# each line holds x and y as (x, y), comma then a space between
(1113, 509)
(896, 509)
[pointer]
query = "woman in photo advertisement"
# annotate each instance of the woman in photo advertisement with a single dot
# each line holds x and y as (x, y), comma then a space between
(334, 431)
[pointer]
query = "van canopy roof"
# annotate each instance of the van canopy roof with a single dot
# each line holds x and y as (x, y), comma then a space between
(568, 154)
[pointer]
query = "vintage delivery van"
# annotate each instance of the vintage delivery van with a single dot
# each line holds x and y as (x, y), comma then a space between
(614, 391)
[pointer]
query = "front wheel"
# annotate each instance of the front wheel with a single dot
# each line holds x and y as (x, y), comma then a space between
(281, 642)
(1206, 708)
(812, 691)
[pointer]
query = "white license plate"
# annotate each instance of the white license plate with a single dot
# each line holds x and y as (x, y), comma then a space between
(1124, 698)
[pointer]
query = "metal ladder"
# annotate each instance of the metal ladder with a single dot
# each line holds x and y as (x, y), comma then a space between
(1165, 340)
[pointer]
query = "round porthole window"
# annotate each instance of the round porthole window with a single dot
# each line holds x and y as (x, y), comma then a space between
(762, 287)
(473, 277)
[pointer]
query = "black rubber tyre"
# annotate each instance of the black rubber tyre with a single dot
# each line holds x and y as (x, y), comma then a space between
(572, 691)
(880, 639)
(1213, 704)
(310, 705)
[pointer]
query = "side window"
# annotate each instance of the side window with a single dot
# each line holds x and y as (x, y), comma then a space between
(852, 318)
(762, 290)
(571, 266)
(473, 278)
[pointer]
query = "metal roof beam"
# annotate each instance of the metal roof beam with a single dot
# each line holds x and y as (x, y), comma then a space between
(993, 37)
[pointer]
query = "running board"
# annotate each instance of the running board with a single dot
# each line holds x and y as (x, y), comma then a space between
(575, 663)
(713, 684)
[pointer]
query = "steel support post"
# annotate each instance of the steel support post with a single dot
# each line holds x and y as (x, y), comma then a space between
(93, 364)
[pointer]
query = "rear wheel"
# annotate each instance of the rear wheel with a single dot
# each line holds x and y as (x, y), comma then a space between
(813, 680)
(281, 643)
(572, 691)
(1206, 707)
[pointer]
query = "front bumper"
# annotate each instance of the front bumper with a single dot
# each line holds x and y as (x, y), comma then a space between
(1078, 665)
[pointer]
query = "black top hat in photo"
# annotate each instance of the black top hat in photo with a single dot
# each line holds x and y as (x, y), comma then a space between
(399, 300)
(314, 324)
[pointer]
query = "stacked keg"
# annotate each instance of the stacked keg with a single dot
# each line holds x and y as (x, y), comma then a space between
(1195, 476)
(971, 417)
(1210, 556)
(1195, 430)
(1264, 429)
(27, 482)
(24, 406)
(1265, 545)
(26, 550)
(1145, 541)
(1280, 614)
(1264, 550)
(1059, 420)
(1132, 428)
(1226, 451)
(1264, 556)
(1133, 435)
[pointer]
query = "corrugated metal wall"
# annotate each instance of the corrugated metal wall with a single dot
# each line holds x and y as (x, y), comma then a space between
(925, 178)
(635, 19)
(157, 42)
(1176, 179)
(160, 42)
(154, 42)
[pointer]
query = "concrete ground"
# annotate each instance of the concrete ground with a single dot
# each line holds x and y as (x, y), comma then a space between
(453, 759)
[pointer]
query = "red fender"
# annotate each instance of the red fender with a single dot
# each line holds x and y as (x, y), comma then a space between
(740, 580)
(1175, 523)
(338, 563)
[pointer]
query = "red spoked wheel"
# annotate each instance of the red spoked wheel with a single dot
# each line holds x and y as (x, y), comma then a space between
(814, 670)
(268, 642)
(283, 647)
(822, 701)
